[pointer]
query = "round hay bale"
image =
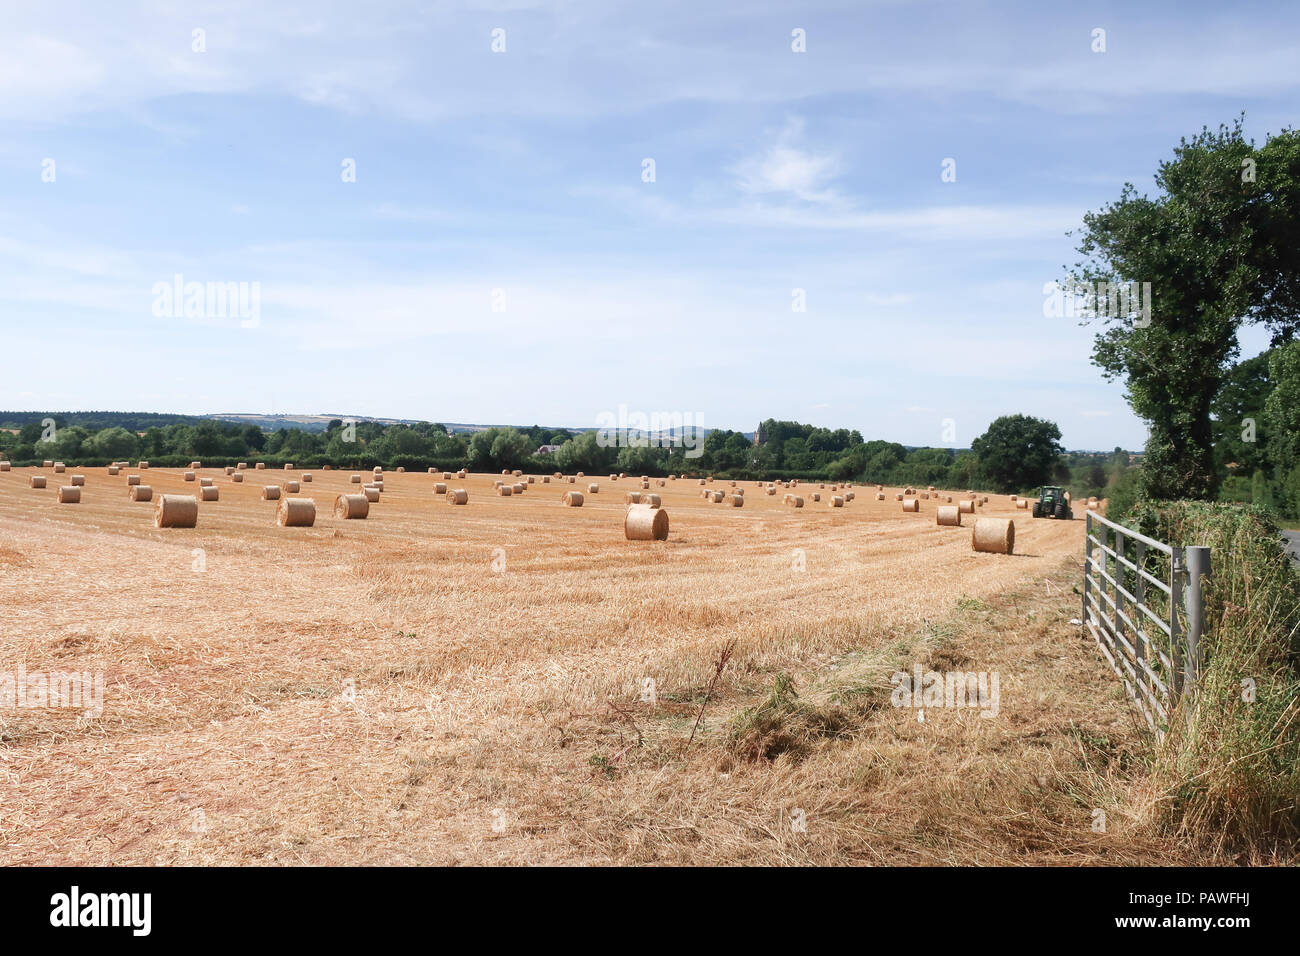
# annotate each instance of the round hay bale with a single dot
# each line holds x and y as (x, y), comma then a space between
(701, 481)
(994, 535)
(209, 493)
(379, 470)
(446, 476)
(572, 499)
(880, 496)
(654, 501)
(716, 497)
(632, 497)
(504, 491)
(440, 488)
(898, 496)
(176, 511)
(188, 476)
(925, 496)
(572, 479)
(5, 466)
(113, 469)
(288, 466)
(401, 469)
(849, 496)
(270, 492)
(530, 480)
(371, 494)
(505, 471)
(459, 496)
(260, 466)
(205, 482)
(798, 501)
(237, 477)
(230, 469)
(36, 481)
(47, 463)
(771, 490)
(326, 467)
(462, 473)
(817, 496)
(141, 465)
(737, 501)
(947, 515)
(664, 484)
(786, 499)
(645, 486)
(196, 465)
(518, 473)
(1022, 502)
(69, 494)
(948, 498)
(643, 523)
(546, 479)
(355, 479)
(580, 474)
(741, 492)
(140, 493)
(306, 476)
(966, 506)
(929, 487)
(837, 501)
(300, 512)
(593, 488)
(518, 487)
(622, 474)
(291, 487)
(349, 506)
(132, 480)
(77, 480)
(911, 504)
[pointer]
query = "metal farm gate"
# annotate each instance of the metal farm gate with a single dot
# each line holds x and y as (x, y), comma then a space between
(1142, 604)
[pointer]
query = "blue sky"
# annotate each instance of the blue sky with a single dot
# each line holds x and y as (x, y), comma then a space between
(521, 171)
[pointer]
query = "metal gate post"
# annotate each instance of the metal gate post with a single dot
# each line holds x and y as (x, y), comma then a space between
(1198, 566)
(1177, 574)
(1087, 565)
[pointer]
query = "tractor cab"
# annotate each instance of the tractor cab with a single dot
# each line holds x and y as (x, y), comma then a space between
(1053, 502)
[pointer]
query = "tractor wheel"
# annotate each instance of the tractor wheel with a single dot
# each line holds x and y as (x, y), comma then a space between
(1061, 512)
(1038, 509)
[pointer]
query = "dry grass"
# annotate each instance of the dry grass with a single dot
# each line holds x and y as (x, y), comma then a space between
(443, 684)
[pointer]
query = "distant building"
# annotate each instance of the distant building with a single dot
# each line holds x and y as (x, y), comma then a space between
(760, 436)
(547, 449)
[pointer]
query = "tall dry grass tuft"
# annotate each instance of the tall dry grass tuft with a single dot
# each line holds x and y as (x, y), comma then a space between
(1230, 765)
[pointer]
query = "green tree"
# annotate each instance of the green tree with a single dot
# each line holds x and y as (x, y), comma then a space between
(1018, 452)
(1210, 245)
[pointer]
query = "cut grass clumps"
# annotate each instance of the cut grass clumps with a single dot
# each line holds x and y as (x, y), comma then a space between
(1231, 760)
(787, 724)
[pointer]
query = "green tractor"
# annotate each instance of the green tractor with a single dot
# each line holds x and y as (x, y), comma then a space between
(1053, 502)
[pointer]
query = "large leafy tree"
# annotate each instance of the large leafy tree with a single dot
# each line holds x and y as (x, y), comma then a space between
(1217, 245)
(1018, 452)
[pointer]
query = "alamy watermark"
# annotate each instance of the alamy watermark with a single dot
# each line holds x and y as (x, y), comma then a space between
(629, 429)
(1076, 299)
(39, 690)
(179, 299)
(952, 689)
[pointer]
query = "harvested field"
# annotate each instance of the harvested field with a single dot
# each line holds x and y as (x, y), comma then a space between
(515, 681)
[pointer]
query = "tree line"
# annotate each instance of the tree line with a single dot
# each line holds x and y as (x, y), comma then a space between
(1017, 453)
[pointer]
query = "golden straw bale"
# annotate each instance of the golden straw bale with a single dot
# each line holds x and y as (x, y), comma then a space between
(947, 515)
(298, 512)
(994, 535)
(176, 511)
(350, 506)
(643, 523)
(69, 494)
